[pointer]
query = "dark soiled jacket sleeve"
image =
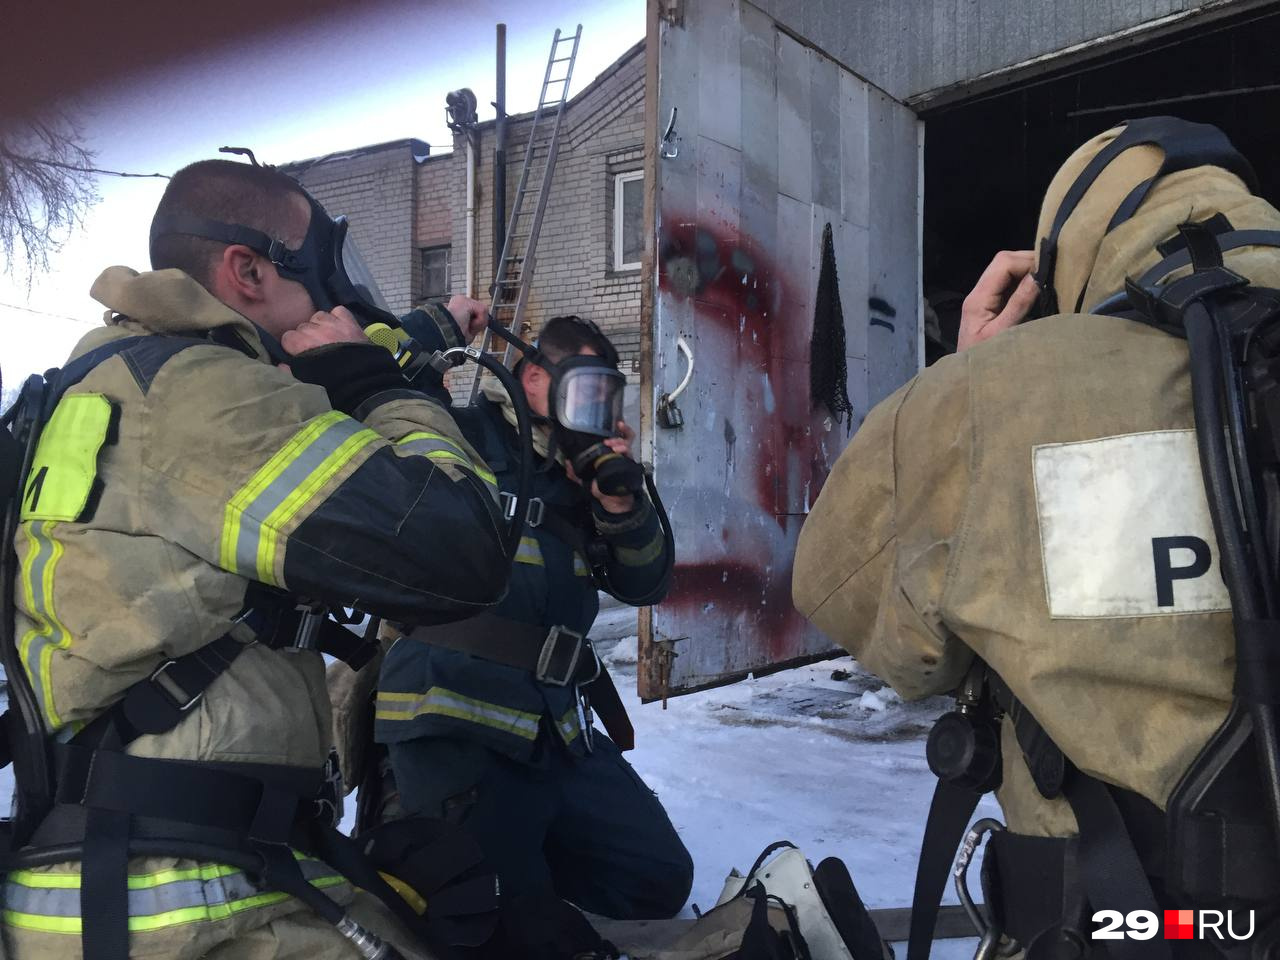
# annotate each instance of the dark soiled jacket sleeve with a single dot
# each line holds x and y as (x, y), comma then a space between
(337, 483)
(639, 562)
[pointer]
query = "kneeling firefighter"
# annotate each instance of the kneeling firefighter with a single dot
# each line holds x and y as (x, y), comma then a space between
(489, 722)
(225, 459)
(1074, 522)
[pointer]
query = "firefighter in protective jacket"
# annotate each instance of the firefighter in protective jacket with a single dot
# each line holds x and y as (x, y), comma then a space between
(247, 444)
(1036, 501)
(508, 749)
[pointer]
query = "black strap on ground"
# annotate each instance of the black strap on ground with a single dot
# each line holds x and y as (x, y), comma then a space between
(949, 815)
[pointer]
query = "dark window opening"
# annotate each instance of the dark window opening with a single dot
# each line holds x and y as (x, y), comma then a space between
(435, 272)
(988, 162)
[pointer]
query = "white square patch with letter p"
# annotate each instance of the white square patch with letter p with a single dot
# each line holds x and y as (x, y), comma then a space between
(1125, 529)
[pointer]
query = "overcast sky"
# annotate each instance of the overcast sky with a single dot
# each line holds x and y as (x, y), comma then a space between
(344, 83)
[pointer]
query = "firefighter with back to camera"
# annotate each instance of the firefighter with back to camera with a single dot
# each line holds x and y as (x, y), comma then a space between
(1027, 522)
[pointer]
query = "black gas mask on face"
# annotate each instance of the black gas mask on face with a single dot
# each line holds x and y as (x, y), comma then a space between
(584, 405)
(327, 264)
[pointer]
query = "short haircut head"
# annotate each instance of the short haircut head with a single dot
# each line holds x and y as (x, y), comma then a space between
(230, 192)
(562, 337)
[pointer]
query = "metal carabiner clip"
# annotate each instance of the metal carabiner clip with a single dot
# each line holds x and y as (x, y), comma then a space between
(990, 934)
(584, 719)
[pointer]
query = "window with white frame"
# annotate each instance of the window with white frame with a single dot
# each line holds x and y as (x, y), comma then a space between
(628, 220)
(435, 272)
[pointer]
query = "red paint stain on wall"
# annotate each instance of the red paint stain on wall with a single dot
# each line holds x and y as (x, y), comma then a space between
(737, 287)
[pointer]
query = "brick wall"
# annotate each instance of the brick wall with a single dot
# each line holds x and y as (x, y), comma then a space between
(440, 203)
(375, 189)
(602, 134)
(398, 207)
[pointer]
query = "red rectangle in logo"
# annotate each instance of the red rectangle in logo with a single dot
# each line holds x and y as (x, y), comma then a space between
(1179, 924)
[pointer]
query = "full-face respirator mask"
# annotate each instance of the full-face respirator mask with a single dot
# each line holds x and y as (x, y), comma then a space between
(584, 405)
(328, 264)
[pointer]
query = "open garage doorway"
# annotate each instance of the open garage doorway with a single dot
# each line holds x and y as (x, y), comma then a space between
(989, 159)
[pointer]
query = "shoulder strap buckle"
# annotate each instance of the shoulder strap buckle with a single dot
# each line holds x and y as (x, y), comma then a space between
(561, 655)
(534, 513)
(171, 689)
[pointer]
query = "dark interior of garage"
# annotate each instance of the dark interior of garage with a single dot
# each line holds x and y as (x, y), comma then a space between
(989, 159)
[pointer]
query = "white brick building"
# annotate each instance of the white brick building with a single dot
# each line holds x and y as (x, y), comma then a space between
(408, 209)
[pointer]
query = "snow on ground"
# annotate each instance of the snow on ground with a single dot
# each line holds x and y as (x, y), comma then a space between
(822, 755)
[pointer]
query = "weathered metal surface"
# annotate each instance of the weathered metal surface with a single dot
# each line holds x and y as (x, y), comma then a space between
(911, 49)
(776, 141)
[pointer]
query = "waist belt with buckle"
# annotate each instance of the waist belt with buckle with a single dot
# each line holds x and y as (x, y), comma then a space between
(558, 657)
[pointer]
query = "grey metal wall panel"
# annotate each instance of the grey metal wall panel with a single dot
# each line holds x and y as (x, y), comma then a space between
(795, 146)
(739, 231)
(720, 85)
(824, 130)
(890, 310)
(909, 49)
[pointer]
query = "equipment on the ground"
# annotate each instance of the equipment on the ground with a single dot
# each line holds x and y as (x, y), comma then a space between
(1218, 843)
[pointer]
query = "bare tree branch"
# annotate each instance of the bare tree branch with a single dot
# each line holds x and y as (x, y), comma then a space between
(46, 188)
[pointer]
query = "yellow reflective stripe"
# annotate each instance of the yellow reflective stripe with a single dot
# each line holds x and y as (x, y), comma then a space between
(210, 891)
(255, 517)
(580, 568)
(439, 701)
(139, 881)
(41, 880)
(436, 446)
(65, 465)
(641, 556)
(259, 482)
(48, 633)
(301, 496)
(448, 457)
(159, 921)
(529, 552)
(437, 439)
(568, 725)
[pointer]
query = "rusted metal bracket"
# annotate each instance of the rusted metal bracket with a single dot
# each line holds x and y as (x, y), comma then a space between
(662, 661)
(672, 11)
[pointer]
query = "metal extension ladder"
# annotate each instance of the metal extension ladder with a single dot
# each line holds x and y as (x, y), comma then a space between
(514, 277)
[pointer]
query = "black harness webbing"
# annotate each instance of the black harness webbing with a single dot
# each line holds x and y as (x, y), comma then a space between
(108, 805)
(1185, 145)
(1113, 876)
(564, 656)
(949, 815)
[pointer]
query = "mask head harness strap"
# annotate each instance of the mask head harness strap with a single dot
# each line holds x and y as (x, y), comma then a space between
(1185, 145)
(321, 264)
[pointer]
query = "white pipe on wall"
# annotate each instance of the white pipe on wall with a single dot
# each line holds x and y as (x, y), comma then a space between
(471, 215)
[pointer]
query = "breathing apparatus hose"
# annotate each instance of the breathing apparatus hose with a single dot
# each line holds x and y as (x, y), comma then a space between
(516, 392)
(1212, 398)
(525, 427)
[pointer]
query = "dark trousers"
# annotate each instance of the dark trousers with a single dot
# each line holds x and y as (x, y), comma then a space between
(582, 829)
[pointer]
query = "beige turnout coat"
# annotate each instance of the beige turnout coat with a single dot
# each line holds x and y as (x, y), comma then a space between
(1037, 501)
(218, 464)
